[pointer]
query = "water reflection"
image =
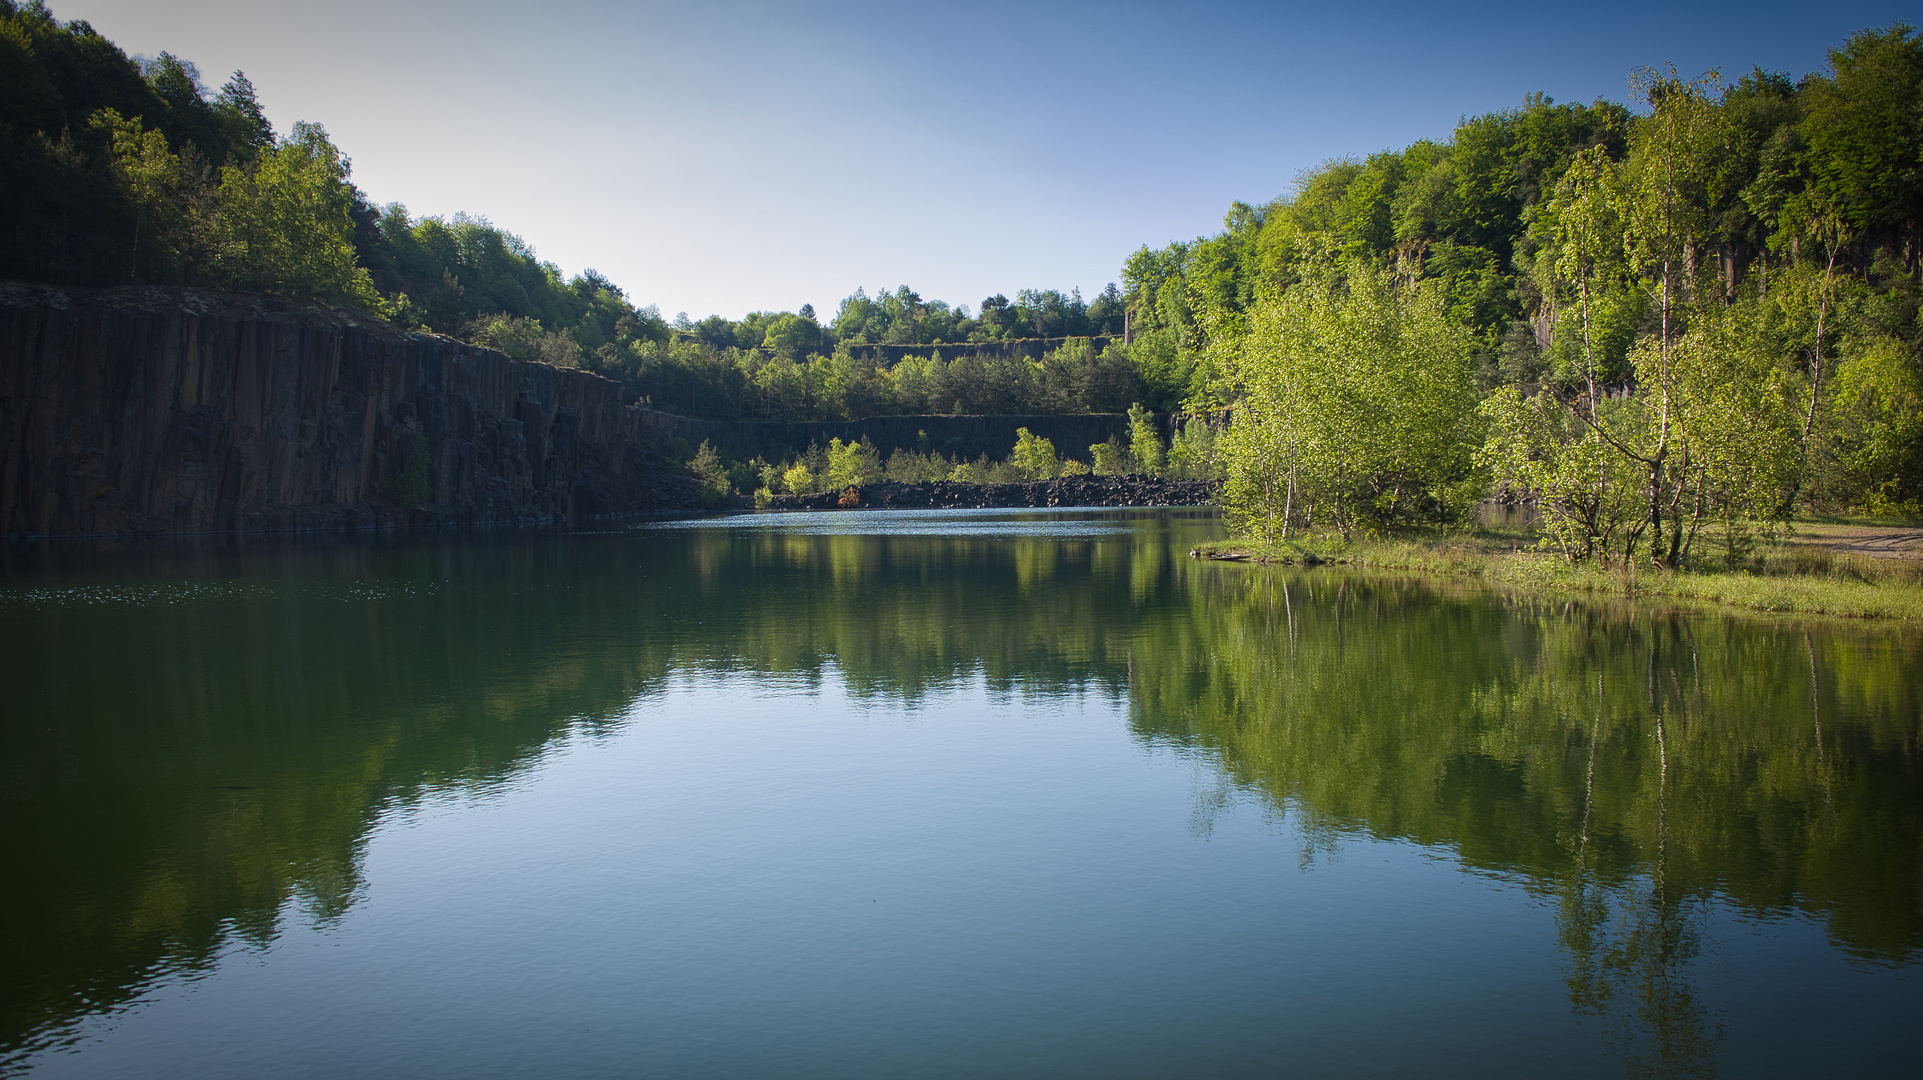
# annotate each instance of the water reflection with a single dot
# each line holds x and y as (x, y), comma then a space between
(1633, 765)
(199, 741)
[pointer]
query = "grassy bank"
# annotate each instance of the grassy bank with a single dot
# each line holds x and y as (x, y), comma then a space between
(1785, 578)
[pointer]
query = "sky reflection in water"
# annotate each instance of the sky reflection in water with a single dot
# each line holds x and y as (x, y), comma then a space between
(886, 793)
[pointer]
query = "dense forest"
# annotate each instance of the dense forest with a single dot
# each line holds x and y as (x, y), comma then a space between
(118, 170)
(1681, 320)
(1687, 315)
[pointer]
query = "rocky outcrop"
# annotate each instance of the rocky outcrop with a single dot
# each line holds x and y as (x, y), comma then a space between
(1063, 492)
(146, 410)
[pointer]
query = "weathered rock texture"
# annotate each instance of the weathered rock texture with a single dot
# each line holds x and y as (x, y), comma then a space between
(144, 410)
(1063, 492)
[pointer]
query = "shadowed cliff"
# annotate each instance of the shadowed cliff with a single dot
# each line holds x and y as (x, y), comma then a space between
(150, 410)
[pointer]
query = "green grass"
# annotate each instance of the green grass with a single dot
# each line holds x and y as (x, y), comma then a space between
(1880, 521)
(1786, 579)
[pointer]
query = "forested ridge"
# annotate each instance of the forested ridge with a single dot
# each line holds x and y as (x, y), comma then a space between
(1692, 312)
(117, 170)
(1674, 321)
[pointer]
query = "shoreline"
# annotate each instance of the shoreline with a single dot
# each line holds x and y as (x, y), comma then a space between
(1065, 492)
(1782, 579)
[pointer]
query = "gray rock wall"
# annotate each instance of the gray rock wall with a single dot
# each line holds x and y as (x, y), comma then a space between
(144, 410)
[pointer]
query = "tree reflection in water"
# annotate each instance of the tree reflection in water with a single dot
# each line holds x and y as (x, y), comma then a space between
(1632, 767)
(1635, 765)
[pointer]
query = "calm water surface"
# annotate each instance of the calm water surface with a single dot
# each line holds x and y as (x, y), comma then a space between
(935, 793)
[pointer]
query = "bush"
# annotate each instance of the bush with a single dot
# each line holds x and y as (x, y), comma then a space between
(1033, 457)
(799, 479)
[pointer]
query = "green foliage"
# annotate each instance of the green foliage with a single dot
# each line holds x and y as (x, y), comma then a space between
(1109, 458)
(1620, 262)
(1144, 441)
(792, 334)
(135, 173)
(1358, 408)
(983, 471)
(524, 339)
(1539, 450)
(852, 463)
(73, 203)
(1034, 457)
(849, 384)
(1664, 306)
(1194, 453)
(902, 317)
(707, 467)
(1583, 275)
(840, 465)
(287, 222)
(798, 479)
(1740, 428)
(1875, 426)
(1863, 143)
(147, 171)
(917, 467)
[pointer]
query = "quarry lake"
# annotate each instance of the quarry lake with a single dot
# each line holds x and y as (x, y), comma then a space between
(933, 793)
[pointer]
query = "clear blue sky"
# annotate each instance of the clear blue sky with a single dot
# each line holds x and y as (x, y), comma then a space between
(721, 157)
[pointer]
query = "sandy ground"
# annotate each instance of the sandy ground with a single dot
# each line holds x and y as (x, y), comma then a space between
(1875, 540)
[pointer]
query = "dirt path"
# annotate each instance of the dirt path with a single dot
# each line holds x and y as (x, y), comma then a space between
(1879, 541)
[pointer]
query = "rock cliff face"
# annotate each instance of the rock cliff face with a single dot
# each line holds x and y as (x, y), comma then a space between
(143, 410)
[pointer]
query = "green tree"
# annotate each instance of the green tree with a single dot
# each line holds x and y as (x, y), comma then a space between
(707, 467)
(244, 123)
(799, 479)
(1541, 451)
(1358, 407)
(1108, 458)
(1192, 454)
(1581, 229)
(1814, 291)
(146, 169)
(1863, 135)
(1742, 433)
(1875, 419)
(526, 339)
(1668, 181)
(852, 464)
(1034, 457)
(289, 222)
(792, 335)
(1145, 441)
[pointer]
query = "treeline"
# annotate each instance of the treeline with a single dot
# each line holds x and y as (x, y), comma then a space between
(122, 171)
(116, 172)
(1683, 321)
(469, 278)
(1693, 312)
(1191, 454)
